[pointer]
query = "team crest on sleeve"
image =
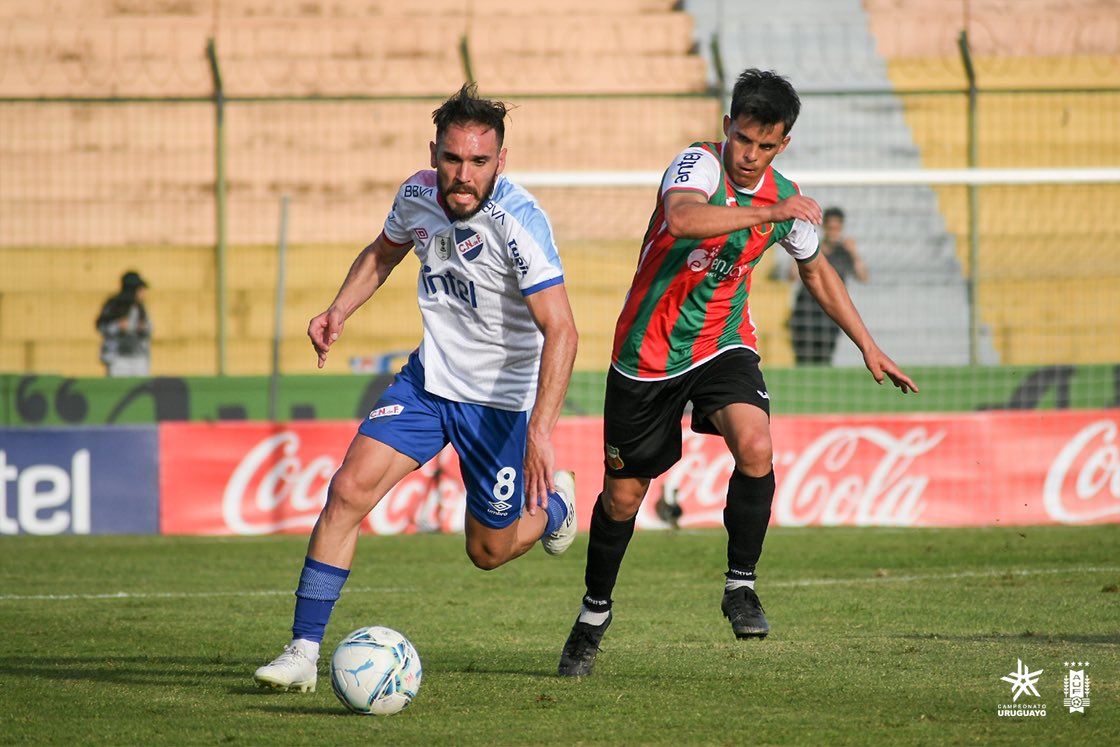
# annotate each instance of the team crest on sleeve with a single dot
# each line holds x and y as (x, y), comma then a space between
(468, 242)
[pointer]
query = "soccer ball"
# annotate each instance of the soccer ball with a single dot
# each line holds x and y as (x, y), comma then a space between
(375, 671)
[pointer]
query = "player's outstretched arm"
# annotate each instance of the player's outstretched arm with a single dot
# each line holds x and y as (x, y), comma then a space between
(827, 287)
(367, 273)
(553, 315)
(689, 215)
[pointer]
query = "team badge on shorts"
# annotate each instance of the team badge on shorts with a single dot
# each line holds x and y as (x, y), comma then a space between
(614, 459)
(385, 411)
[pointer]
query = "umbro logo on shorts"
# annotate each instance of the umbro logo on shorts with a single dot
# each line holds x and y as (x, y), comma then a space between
(385, 411)
(764, 395)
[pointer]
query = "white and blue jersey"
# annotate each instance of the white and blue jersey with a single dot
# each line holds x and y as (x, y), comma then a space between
(480, 343)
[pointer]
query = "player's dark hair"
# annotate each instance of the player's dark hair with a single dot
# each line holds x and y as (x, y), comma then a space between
(765, 97)
(465, 107)
(833, 212)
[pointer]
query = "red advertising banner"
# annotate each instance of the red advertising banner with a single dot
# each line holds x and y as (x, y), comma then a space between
(973, 469)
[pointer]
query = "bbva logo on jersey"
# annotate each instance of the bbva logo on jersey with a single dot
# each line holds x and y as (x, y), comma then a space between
(468, 242)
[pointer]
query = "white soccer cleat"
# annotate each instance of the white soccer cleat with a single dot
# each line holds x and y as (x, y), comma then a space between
(561, 539)
(291, 670)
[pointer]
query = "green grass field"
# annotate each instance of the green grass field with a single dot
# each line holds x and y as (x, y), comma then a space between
(879, 636)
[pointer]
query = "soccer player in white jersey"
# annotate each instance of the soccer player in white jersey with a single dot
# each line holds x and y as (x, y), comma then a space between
(489, 376)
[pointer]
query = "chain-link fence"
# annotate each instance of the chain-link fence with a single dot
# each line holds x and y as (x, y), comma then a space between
(116, 160)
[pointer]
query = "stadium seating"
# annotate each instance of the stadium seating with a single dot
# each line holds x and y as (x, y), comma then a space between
(91, 188)
(915, 238)
(94, 187)
(1033, 261)
(914, 303)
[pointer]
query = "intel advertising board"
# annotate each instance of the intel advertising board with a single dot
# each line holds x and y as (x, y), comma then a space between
(79, 480)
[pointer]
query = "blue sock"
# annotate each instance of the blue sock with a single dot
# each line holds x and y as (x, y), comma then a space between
(557, 511)
(320, 585)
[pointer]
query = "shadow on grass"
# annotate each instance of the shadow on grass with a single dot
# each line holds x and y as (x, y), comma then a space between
(475, 667)
(1026, 635)
(302, 710)
(128, 670)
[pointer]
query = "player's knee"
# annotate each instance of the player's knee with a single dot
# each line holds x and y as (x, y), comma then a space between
(622, 505)
(347, 496)
(754, 455)
(484, 558)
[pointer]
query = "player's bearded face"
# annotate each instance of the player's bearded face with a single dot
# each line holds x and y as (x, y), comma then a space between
(467, 161)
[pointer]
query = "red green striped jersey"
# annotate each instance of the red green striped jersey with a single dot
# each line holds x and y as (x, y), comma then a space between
(689, 297)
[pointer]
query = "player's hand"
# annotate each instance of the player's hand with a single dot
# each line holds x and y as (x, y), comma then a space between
(882, 367)
(539, 461)
(323, 331)
(796, 207)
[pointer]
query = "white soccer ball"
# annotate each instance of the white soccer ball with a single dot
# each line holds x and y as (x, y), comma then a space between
(375, 671)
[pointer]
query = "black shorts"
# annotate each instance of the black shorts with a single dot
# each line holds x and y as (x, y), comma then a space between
(642, 419)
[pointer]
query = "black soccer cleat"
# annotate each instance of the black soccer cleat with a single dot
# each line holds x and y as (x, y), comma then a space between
(742, 608)
(578, 657)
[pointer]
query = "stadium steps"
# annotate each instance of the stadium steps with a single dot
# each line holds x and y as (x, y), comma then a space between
(1009, 29)
(81, 177)
(1052, 232)
(1079, 332)
(823, 46)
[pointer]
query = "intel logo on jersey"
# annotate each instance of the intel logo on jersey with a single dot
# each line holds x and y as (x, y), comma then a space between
(468, 243)
(451, 284)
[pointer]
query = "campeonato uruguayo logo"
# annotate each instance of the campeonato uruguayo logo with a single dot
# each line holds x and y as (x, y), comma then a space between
(1027, 700)
(1023, 683)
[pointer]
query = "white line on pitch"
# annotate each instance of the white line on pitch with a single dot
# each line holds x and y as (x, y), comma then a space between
(777, 584)
(173, 595)
(942, 576)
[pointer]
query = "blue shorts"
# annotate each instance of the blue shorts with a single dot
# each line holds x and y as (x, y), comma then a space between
(490, 442)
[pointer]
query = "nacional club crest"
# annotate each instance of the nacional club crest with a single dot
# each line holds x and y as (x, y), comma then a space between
(614, 458)
(468, 243)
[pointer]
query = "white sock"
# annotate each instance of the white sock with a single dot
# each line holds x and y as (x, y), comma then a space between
(591, 617)
(310, 649)
(738, 583)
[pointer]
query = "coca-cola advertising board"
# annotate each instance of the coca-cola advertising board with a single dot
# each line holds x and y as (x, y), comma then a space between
(971, 469)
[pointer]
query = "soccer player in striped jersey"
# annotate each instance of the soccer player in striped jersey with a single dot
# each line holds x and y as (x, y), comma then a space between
(489, 376)
(685, 334)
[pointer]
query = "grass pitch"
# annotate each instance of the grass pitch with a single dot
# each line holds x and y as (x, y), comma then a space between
(879, 637)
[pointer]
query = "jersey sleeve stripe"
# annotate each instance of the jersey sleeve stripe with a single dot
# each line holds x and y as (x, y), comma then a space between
(558, 280)
(532, 218)
(697, 190)
(811, 257)
(391, 242)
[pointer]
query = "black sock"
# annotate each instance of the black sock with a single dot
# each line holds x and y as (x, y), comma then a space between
(605, 549)
(746, 517)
